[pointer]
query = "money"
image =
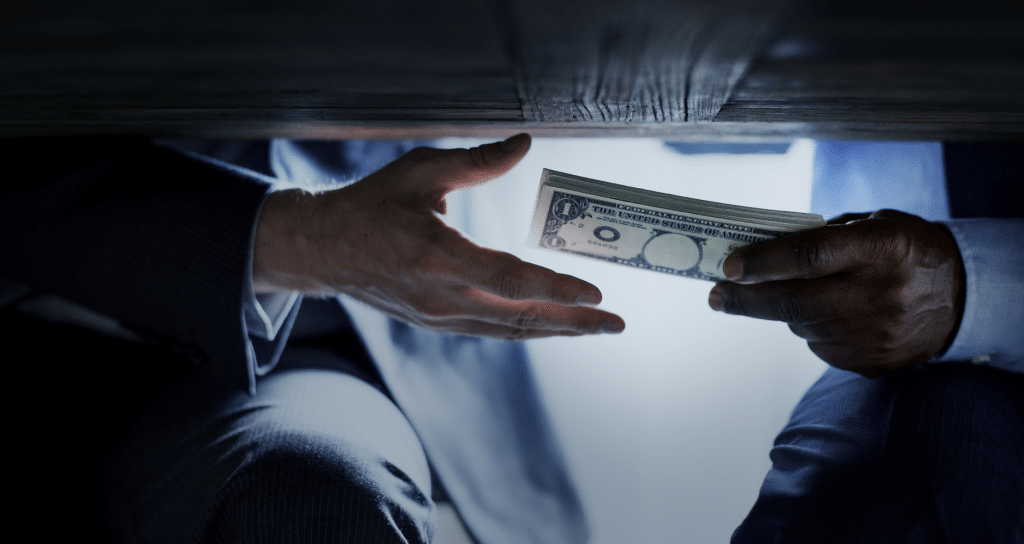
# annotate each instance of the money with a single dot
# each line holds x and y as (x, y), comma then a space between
(645, 229)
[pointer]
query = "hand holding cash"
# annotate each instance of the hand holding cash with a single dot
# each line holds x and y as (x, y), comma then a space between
(649, 230)
(869, 293)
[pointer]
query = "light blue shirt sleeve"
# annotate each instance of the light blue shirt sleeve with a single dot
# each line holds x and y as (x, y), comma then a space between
(869, 176)
(992, 329)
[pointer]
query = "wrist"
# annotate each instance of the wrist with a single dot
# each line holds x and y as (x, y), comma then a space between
(281, 248)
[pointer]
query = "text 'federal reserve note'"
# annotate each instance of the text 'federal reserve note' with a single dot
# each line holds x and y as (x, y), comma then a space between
(649, 230)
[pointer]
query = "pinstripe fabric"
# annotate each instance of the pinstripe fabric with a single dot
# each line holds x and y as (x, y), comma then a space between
(927, 455)
(315, 456)
(124, 228)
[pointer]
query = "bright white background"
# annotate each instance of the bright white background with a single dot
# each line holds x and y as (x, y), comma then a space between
(667, 426)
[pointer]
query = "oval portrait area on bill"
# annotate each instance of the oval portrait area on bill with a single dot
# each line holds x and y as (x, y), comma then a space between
(672, 250)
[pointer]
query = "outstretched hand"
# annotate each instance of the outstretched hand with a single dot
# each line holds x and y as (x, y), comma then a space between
(869, 293)
(382, 241)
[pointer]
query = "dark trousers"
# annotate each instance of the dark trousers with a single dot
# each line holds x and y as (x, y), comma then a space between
(113, 440)
(930, 454)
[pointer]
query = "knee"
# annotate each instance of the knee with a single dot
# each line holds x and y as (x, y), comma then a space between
(929, 454)
(951, 465)
(313, 456)
(296, 485)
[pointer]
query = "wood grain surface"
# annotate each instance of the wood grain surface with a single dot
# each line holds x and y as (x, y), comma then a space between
(677, 69)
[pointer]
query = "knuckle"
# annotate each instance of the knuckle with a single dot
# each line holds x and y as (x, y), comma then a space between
(813, 254)
(528, 318)
(886, 240)
(904, 302)
(510, 281)
(899, 245)
(478, 158)
(511, 286)
(900, 301)
(789, 309)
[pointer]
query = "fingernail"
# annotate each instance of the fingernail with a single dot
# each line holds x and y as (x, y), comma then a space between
(588, 299)
(612, 327)
(733, 268)
(511, 144)
(715, 300)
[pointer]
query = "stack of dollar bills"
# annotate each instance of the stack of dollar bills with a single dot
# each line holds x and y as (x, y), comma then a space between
(649, 230)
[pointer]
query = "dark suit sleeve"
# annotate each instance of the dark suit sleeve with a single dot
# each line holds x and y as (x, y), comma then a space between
(155, 238)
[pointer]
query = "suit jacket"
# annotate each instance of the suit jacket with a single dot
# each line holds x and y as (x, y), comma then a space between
(161, 240)
(151, 237)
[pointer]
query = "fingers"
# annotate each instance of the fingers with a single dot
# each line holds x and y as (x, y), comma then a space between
(497, 294)
(464, 310)
(450, 169)
(501, 289)
(491, 315)
(869, 293)
(506, 276)
(514, 279)
(807, 254)
(503, 332)
(799, 302)
(473, 166)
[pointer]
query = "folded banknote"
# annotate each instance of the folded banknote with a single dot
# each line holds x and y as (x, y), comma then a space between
(650, 230)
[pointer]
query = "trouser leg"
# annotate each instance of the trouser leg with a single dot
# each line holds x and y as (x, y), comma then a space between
(928, 454)
(314, 456)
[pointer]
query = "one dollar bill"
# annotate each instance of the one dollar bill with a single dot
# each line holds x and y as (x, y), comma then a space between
(654, 231)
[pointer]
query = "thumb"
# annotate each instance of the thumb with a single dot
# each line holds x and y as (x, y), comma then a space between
(463, 168)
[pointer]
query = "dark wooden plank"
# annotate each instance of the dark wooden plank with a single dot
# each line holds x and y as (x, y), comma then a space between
(649, 61)
(135, 66)
(404, 68)
(958, 76)
(310, 124)
(736, 36)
